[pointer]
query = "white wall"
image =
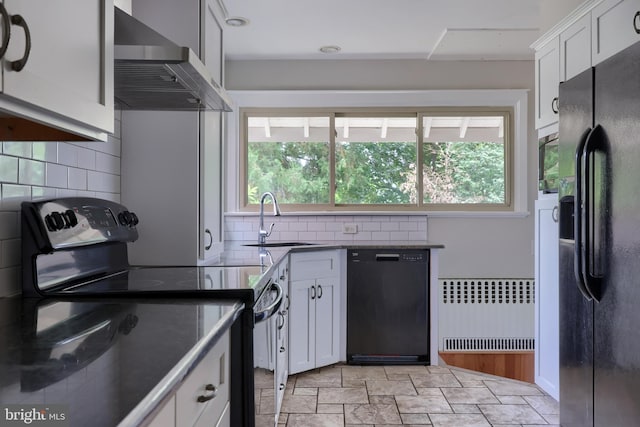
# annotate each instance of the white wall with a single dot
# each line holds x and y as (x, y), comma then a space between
(552, 11)
(475, 247)
(30, 170)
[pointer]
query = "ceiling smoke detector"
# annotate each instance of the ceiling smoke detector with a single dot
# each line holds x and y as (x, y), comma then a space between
(330, 49)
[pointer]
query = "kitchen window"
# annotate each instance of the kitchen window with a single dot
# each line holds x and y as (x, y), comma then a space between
(432, 159)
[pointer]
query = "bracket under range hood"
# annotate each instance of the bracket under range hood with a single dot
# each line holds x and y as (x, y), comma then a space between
(153, 73)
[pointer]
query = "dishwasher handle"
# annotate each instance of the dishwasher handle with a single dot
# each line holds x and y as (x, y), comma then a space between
(387, 257)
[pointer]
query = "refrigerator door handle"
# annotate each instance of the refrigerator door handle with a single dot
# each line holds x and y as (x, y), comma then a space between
(577, 218)
(591, 282)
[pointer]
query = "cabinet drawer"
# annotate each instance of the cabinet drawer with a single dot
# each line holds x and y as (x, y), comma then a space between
(313, 265)
(212, 370)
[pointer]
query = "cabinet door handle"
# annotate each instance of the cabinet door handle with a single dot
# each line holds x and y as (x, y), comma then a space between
(20, 63)
(554, 214)
(636, 22)
(6, 30)
(313, 292)
(319, 291)
(207, 397)
(280, 325)
(554, 105)
(208, 232)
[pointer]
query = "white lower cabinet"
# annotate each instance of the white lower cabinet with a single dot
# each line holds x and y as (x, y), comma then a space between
(547, 348)
(314, 328)
(203, 398)
(167, 415)
(282, 337)
(270, 346)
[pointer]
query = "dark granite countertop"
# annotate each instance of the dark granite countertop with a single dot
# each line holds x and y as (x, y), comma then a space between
(238, 253)
(107, 362)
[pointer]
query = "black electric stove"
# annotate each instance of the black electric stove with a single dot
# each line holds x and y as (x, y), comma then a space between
(76, 247)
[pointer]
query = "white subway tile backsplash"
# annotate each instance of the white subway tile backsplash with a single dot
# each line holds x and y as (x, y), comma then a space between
(334, 226)
(30, 172)
(298, 226)
(43, 192)
(56, 175)
(13, 195)
(389, 226)
(18, 149)
(66, 192)
(45, 151)
(370, 226)
(77, 179)
(104, 182)
(329, 227)
(8, 169)
(86, 158)
(107, 163)
(408, 226)
(67, 154)
(316, 226)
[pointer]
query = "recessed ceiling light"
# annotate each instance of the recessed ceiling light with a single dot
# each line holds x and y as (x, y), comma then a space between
(330, 49)
(236, 21)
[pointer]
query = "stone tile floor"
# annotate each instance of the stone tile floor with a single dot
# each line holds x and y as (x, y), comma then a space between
(377, 396)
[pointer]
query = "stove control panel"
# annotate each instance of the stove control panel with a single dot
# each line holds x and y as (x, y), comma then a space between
(79, 221)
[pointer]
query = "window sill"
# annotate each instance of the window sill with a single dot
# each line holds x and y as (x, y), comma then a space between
(432, 214)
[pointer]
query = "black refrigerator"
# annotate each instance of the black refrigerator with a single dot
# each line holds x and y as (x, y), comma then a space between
(599, 229)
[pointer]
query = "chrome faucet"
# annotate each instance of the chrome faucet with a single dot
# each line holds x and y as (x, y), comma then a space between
(262, 233)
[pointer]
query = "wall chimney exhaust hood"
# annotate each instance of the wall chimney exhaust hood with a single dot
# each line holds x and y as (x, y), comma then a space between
(153, 73)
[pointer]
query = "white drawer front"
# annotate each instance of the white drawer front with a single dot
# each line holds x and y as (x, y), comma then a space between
(313, 265)
(213, 370)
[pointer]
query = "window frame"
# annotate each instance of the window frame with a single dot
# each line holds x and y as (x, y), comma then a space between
(377, 112)
(295, 99)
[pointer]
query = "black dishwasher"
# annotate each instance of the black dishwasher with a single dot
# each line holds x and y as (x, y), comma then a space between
(388, 306)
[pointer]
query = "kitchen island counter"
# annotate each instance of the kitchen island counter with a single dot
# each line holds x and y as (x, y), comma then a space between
(104, 362)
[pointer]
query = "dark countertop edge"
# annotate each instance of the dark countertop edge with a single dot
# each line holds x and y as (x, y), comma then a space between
(153, 402)
(280, 252)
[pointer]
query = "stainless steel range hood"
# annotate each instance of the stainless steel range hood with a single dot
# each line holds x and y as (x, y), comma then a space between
(153, 73)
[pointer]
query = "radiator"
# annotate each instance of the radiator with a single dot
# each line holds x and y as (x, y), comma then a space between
(486, 314)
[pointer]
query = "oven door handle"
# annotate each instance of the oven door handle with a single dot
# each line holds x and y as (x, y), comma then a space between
(272, 308)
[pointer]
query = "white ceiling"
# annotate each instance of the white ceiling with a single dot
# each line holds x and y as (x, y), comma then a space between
(384, 29)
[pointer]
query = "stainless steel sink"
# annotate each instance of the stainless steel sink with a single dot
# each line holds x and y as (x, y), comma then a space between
(277, 244)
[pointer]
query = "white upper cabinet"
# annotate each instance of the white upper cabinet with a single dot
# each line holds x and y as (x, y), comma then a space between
(189, 142)
(616, 25)
(57, 70)
(547, 74)
(575, 48)
(593, 32)
(211, 41)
